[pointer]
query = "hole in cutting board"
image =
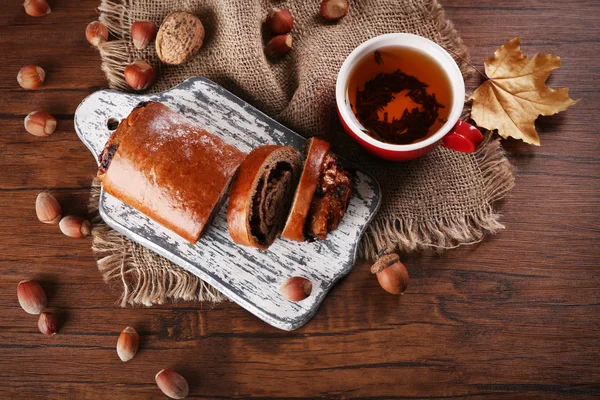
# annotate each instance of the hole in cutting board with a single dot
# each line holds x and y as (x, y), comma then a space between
(112, 123)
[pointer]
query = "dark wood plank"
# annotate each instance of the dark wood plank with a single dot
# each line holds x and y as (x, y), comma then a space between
(516, 316)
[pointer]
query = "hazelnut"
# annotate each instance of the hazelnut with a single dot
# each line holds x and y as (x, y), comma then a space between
(279, 46)
(47, 208)
(296, 288)
(75, 226)
(391, 274)
(279, 21)
(32, 297)
(172, 384)
(128, 343)
(179, 37)
(40, 123)
(31, 77)
(48, 323)
(332, 10)
(142, 33)
(36, 8)
(140, 75)
(96, 33)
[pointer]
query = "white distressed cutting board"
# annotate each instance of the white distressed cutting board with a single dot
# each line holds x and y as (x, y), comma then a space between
(249, 277)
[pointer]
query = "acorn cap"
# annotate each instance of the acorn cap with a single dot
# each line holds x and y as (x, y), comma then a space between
(384, 262)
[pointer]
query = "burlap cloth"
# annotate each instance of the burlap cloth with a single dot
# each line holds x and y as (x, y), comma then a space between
(439, 201)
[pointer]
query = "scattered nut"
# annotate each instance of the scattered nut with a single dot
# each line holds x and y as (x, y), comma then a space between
(279, 46)
(391, 274)
(279, 21)
(31, 77)
(140, 75)
(180, 37)
(40, 123)
(296, 288)
(36, 8)
(142, 33)
(75, 226)
(172, 384)
(48, 323)
(96, 33)
(47, 208)
(332, 10)
(32, 297)
(128, 343)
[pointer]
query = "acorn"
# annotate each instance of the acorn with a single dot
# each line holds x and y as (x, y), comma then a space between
(296, 289)
(32, 297)
(140, 75)
(172, 384)
(48, 323)
(391, 274)
(31, 77)
(36, 8)
(142, 33)
(96, 33)
(40, 123)
(333, 10)
(128, 344)
(47, 208)
(279, 21)
(279, 46)
(75, 226)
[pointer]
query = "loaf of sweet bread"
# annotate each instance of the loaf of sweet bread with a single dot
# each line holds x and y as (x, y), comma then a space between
(261, 195)
(168, 168)
(322, 196)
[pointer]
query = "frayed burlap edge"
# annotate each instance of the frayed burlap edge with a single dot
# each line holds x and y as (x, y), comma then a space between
(147, 279)
(115, 54)
(447, 232)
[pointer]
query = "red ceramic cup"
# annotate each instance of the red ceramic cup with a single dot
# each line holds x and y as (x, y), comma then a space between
(454, 134)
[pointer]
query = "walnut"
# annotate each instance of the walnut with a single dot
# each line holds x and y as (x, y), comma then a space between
(180, 37)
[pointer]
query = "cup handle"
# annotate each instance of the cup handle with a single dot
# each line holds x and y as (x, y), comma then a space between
(463, 137)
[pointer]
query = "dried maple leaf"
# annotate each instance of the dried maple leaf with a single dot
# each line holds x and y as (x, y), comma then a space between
(516, 94)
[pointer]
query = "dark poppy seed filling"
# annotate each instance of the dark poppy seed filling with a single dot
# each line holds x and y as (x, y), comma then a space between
(270, 202)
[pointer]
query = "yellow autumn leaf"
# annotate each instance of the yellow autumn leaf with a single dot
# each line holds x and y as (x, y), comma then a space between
(516, 93)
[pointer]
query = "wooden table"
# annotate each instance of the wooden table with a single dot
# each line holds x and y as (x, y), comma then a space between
(516, 316)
